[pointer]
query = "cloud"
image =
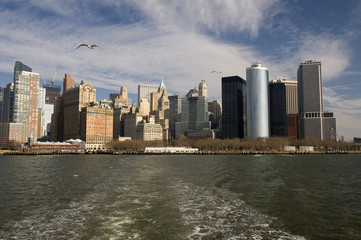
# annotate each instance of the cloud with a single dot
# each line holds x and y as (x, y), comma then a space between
(138, 52)
(346, 111)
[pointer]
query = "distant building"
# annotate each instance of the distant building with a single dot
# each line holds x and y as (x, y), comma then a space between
(160, 108)
(131, 122)
(175, 109)
(96, 126)
(283, 104)
(12, 132)
(148, 130)
(234, 107)
(52, 93)
(215, 111)
(195, 117)
(1, 102)
(26, 97)
(257, 102)
(74, 100)
(68, 82)
(145, 90)
(8, 104)
(313, 122)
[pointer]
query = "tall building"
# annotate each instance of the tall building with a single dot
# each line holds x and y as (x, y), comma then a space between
(202, 88)
(194, 117)
(257, 102)
(52, 93)
(68, 82)
(26, 101)
(121, 107)
(19, 67)
(313, 122)
(160, 108)
(96, 126)
(74, 100)
(175, 108)
(7, 106)
(283, 105)
(234, 107)
(145, 90)
(1, 102)
(215, 111)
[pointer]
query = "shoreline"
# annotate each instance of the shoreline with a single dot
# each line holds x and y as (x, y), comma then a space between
(197, 153)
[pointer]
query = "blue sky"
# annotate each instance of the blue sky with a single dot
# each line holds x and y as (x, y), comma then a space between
(183, 41)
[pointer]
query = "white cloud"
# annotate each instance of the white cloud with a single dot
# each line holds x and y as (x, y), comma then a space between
(346, 111)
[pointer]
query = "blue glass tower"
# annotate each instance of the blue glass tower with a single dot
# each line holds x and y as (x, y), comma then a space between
(257, 102)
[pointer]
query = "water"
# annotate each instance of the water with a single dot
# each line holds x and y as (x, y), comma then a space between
(180, 197)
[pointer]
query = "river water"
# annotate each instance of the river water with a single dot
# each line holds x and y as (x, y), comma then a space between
(180, 197)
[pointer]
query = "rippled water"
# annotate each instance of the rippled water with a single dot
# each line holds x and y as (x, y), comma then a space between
(180, 197)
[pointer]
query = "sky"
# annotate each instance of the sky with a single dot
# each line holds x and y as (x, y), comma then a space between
(183, 41)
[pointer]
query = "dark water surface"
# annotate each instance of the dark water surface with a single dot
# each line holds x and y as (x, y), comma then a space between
(180, 197)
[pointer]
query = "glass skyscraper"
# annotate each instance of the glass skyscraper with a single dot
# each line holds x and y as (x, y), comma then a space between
(234, 106)
(257, 102)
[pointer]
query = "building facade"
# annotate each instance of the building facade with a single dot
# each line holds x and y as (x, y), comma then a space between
(312, 120)
(175, 109)
(257, 102)
(74, 99)
(195, 117)
(7, 105)
(145, 90)
(68, 82)
(26, 101)
(96, 126)
(234, 107)
(215, 115)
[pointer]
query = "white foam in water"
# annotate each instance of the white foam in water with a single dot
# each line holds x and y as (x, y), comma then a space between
(218, 213)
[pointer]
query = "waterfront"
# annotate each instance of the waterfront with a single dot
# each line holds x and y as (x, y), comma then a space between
(180, 197)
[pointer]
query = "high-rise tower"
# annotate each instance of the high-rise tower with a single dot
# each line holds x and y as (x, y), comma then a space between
(313, 122)
(234, 104)
(257, 102)
(283, 107)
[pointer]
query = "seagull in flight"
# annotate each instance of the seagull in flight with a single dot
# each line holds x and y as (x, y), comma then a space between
(218, 72)
(89, 46)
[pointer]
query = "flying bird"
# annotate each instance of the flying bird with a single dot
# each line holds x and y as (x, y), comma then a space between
(89, 46)
(218, 72)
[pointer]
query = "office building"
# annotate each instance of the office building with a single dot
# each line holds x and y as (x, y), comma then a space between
(215, 114)
(313, 122)
(234, 107)
(96, 126)
(7, 105)
(145, 90)
(195, 116)
(257, 102)
(26, 102)
(175, 109)
(283, 106)
(74, 99)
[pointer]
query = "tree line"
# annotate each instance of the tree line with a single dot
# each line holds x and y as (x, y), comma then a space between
(273, 144)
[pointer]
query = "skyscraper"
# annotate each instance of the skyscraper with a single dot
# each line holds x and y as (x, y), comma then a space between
(313, 122)
(234, 104)
(74, 100)
(194, 117)
(26, 101)
(283, 106)
(257, 102)
(145, 90)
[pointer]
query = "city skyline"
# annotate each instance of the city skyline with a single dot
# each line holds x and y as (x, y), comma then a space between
(144, 42)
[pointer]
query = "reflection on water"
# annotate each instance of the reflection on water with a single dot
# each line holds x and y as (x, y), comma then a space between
(180, 197)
